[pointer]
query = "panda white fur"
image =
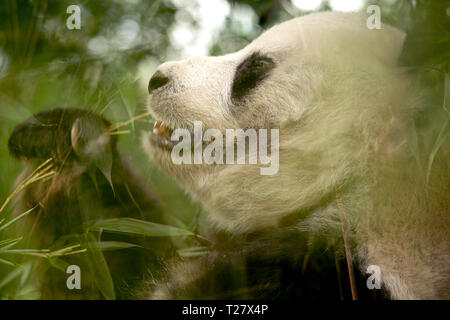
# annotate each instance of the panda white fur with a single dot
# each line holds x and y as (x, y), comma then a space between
(349, 153)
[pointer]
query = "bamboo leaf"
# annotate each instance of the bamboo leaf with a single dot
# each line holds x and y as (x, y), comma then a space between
(444, 130)
(437, 145)
(128, 100)
(40, 252)
(114, 245)
(98, 267)
(58, 264)
(3, 227)
(8, 243)
(26, 270)
(15, 273)
(141, 227)
(8, 263)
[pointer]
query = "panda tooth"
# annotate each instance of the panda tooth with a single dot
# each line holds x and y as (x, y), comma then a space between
(161, 129)
(157, 128)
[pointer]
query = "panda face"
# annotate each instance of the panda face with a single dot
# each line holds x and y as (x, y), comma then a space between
(303, 77)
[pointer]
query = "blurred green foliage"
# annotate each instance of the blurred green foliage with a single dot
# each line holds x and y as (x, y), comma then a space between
(104, 67)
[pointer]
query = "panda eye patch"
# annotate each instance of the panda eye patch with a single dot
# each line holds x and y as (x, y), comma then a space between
(250, 73)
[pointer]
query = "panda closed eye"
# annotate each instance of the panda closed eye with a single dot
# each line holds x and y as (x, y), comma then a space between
(250, 72)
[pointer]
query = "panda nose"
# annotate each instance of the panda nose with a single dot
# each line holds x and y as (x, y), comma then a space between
(158, 80)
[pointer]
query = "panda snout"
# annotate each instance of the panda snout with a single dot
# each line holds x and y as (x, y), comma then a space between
(158, 80)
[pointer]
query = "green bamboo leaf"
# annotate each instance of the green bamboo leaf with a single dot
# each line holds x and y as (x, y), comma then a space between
(114, 245)
(43, 253)
(54, 257)
(8, 243)
(8, 263)
(178, 242)
(437, 145)
(63, 251)
(98, 267)
(128, 99)
(141, 227)
(25, 251)
(16, 219)
(22, 271)
(10, 277)
(176, 222)
(58, 264)
(445, 128)
(27, 292)
(26, 270)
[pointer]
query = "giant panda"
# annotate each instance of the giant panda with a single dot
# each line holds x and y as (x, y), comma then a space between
(351, 194)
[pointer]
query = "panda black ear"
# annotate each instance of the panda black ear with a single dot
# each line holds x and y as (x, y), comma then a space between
(250, 72)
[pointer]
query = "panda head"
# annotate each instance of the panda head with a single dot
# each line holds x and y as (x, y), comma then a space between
(325, 80)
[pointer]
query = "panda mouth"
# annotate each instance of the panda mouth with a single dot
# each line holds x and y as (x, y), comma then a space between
(161, 136)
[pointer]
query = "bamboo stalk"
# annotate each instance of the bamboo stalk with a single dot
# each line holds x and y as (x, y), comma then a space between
(39, 173)
(124, 123)
(348, 258)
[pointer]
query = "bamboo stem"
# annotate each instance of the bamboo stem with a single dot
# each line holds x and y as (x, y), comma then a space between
(124, 123)
(348, 258)
(36, 175)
